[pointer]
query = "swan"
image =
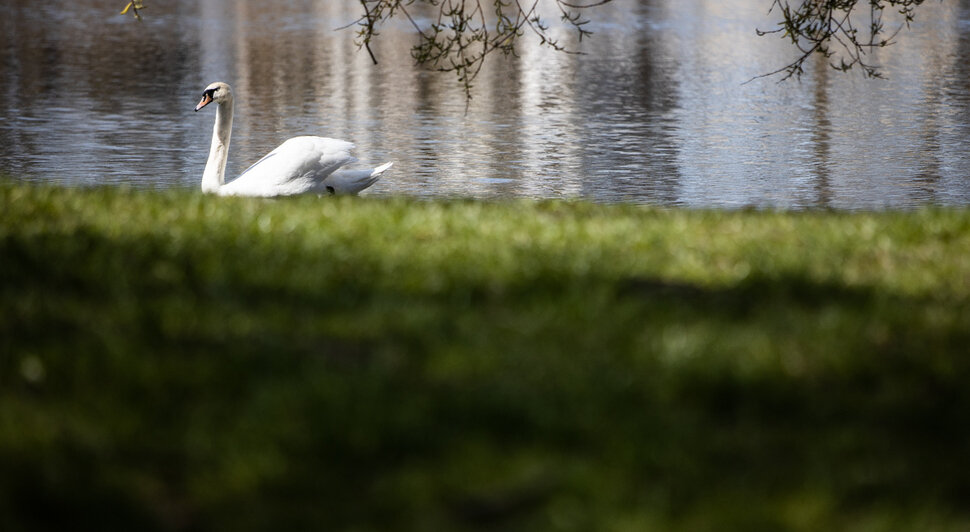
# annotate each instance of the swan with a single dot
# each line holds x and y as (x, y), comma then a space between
(298, 166)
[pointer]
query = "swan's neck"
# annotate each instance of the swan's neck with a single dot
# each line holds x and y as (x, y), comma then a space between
(214, 175)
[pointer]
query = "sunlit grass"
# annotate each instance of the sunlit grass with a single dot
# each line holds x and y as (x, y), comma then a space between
(178, 361)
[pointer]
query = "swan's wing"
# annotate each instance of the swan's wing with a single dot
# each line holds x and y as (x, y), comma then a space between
(353, 181)
(298, 165)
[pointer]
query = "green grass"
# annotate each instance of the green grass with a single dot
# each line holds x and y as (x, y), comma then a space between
(170, 361)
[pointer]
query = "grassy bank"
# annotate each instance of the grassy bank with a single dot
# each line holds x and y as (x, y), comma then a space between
(178, 362)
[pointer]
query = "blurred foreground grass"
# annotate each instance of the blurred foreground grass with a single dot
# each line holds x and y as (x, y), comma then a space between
(170, 361)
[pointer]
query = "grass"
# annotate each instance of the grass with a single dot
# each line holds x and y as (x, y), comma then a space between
(170, 361)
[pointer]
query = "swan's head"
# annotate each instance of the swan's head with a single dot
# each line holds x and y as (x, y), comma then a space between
(218, 92)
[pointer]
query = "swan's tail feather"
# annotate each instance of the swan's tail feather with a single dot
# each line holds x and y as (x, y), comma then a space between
(353, 181)
(380, 169)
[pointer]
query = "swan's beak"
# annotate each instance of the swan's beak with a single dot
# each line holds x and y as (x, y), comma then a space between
(206, 100)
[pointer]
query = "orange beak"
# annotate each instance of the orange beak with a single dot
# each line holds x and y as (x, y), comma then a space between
(206, 100)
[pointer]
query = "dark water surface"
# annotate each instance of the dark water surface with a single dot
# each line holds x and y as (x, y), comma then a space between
(655, 112)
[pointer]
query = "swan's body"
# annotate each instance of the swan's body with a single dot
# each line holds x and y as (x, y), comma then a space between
(300, 165)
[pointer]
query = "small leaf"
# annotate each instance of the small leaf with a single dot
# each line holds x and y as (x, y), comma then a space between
(134, 4)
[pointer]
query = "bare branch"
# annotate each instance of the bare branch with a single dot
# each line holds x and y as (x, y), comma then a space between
(826, 27)
(462, 33)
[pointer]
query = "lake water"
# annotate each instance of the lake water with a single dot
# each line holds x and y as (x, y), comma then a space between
(655, 111)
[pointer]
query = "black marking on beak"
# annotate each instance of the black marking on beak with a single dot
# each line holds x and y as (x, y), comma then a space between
(206, 99)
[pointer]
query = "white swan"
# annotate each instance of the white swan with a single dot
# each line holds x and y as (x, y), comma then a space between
(298, 166)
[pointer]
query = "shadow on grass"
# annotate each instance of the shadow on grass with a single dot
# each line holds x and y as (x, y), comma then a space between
(150, 388)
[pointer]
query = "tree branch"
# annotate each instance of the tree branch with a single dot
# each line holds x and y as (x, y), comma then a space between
(815, 25)
(463, 33)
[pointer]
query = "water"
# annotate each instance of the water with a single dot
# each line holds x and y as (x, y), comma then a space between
(656, 111)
